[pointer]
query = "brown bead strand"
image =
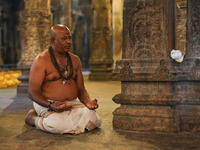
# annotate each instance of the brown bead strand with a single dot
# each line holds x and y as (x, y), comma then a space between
(58, 67)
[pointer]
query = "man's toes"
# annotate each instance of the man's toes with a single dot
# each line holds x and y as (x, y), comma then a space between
(30, 117)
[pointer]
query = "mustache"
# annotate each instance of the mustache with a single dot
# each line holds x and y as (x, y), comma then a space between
(68, 46)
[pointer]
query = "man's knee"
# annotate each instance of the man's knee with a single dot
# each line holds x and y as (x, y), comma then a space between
(53, 126)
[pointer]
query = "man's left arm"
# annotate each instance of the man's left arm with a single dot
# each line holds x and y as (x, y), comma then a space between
(82, 92)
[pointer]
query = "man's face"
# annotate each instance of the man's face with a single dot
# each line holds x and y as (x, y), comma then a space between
(63, 41)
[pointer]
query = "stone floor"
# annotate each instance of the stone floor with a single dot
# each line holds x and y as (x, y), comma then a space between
(16, 135)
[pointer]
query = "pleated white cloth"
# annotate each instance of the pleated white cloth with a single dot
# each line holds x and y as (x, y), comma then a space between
(74, 121)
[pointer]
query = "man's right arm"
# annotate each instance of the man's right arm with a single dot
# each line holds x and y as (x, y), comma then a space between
(36, 79)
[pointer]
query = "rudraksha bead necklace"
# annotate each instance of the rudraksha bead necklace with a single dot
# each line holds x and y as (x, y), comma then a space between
(63, 71)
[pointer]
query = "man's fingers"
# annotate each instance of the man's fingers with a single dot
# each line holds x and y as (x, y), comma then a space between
(93, 104)
(68, 107)
(97, 105)
(62, 105)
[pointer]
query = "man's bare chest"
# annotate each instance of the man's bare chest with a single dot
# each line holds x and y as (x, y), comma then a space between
(52, 74)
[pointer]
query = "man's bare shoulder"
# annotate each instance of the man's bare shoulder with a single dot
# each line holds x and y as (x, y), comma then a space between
(75, 58)
(41, 60)
(43, 56)
(73, 55)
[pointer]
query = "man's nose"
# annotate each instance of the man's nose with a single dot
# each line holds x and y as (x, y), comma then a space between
(69, 41)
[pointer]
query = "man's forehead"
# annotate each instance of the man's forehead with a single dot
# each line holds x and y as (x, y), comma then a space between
(59, 26)
(62, 33)
(60, 29)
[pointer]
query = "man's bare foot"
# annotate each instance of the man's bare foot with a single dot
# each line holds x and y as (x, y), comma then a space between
(30, 117)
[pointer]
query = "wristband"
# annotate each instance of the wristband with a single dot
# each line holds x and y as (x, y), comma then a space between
(49, 106)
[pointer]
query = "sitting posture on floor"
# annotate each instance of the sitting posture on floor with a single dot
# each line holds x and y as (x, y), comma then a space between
(55, 83)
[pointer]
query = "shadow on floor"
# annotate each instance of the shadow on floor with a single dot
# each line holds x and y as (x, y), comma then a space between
(20, 102)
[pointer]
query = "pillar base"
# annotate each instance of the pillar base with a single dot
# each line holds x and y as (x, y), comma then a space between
(189, 117)
(22, 88)
(145, 118)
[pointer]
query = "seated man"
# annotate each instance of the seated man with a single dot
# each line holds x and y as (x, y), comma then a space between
(55, 82)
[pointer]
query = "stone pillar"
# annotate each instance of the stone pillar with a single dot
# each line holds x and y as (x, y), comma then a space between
(4, 16)
(35, 37)
(188, 87)
(117, 28)
(101, 59)
(56, 9)
(146, 70)
(86, 9)
(66, 18)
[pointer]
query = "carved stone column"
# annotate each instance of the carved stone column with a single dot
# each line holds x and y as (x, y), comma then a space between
(56, 10)
(66, 18)
(36, 30)
(146, 71)
(4, 16)
(86, 9)
(102, 56)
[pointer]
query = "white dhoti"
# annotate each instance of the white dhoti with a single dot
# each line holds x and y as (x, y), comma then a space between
(74, 121)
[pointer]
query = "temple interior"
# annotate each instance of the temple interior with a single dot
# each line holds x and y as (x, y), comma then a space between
(149, 99)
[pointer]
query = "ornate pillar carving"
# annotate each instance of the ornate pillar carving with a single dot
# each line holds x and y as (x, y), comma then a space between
(101, 59)
(35, 37)
(145, 70)
(158, 97)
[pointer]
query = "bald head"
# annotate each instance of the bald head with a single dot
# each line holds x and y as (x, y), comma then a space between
(58, 28)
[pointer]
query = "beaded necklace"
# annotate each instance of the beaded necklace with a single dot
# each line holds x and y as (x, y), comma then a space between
(62, 70)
